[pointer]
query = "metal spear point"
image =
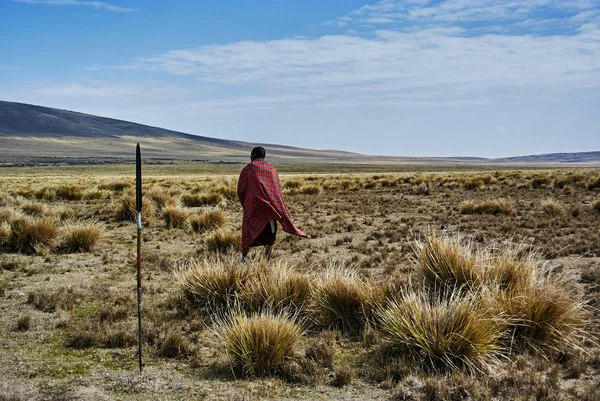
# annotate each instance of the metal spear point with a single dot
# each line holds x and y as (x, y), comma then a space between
(138, 206)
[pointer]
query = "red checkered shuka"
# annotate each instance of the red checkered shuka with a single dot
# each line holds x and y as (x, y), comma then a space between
(259, 191)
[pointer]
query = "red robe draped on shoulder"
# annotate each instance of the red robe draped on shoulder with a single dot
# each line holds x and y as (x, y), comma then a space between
(259, 191)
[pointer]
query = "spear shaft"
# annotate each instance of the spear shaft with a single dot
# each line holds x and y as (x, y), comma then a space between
(138, 204)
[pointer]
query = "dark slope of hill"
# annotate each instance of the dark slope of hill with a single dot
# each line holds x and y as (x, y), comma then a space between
(29, 133)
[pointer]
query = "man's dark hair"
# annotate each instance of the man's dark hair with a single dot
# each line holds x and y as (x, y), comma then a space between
(258, 152)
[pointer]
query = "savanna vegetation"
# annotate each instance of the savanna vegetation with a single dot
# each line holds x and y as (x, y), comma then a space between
(415, 285)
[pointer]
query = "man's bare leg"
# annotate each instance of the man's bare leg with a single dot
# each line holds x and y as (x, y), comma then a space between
(244, 254)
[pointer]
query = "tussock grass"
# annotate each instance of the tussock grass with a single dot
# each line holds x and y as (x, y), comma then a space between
(210, 199)
(213, 283)
(495, 207)
(175, 217)
(448, 334)
(69, 192)
(261, 343)
(80, 237)
(229, 191)
(8, 214)
(32, 236)
(95, 194)
(545, 317)
(65, 298)
(594, 184)
(292, 184)
(442, 261)
(552, 207)
(596, 206)
(310, 190)
(117, 186)
(208, 220)
(277, 288)
(342, 300)
(126, 210)
(35, 209)
(224, 241)
(540, 182)
(4, 233)
(173, 345)
(473, 184)
(161, 199)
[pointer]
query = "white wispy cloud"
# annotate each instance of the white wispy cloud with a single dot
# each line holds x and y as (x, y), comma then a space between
(95, 4)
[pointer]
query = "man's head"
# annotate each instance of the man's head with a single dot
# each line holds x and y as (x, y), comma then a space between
(258, 153)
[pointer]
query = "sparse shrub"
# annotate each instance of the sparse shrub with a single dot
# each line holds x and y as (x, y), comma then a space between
(344, 375)
(208, 220)
(311, 190)
(552, 207)
(276, 288)
(467, 207)
(173, 345)
(495, 207)
(118, 186)
(423, 188)
(64, 298)
(540, 182)
(31, 236)
(80, 237)
(594, 184)
(472, 184)
(94, 194)
(127, 210)
(449, 334)
(224, 241)
(24, 323)
(342, 300)
(174, 217)
(259, 344)
(34, 209)
(292, 184)
(4, 233)
(210, 199)
(69, 192)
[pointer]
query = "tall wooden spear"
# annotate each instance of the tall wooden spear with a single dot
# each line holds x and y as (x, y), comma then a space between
(138, 206)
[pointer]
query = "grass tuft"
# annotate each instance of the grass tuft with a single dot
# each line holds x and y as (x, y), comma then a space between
(224, 241)
(208, 220)
(453, 334)
(32, 236)
(552, 207)
(174, 217)
(261, 343)
(210, 199)
(69, 192)
(127, 209)
(80, 237)
(342, 300)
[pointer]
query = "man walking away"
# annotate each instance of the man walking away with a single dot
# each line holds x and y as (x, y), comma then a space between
(259, 191)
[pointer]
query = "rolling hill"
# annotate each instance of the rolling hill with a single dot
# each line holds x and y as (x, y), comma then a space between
(35, 134)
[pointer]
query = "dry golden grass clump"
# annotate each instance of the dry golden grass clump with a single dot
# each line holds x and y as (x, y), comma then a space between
(208, 220)
(127, 209)
(229, 191)
(277, 288)
(594, 184)
(310, 190)
(161, 199)
(95, 194)
(447, 334)
(65, 298)
(540, 182)
(209, 199)
(4, 233)
(35, 209)
(69, 192)
(552, 207)
(596, 206)
(541, 311)
(213, 283)
(46, 193)
(80, 237)
(292, 184)
(443, 261)
(117, 186)
(259, 344)
(174, 217)
(224, 241)
(472, 184)
(32, 236)
(342, 300)
(495, 207)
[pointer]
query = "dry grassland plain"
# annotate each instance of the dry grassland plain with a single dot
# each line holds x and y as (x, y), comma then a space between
(415, 285)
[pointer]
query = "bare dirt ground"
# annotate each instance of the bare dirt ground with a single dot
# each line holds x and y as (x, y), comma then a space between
(68, 320)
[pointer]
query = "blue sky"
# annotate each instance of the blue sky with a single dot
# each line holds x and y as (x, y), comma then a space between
(413, 77)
